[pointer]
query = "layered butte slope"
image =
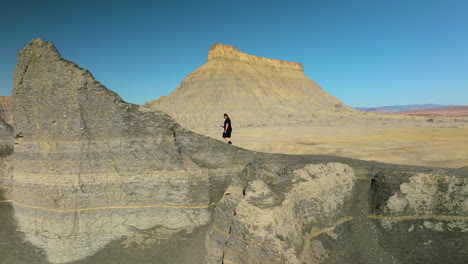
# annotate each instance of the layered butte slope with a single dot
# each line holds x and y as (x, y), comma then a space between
(92, 179)
(253, 90)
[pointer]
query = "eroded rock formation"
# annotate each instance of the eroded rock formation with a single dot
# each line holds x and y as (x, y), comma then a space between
(6, 108)
(93, 179)
(6, 139)
(90, 168)
(253, 90)
(291, 209)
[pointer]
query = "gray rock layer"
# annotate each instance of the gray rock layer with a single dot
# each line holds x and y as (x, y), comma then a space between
(290, 209)
(90, 168)
(93, 179)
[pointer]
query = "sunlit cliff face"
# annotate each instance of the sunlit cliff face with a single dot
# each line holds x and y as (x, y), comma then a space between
(252, 89)
(222, 51)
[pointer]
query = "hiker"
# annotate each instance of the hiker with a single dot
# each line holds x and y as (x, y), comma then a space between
(227, 129)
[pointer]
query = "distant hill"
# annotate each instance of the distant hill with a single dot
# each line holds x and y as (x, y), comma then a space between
(399, 108)
(254, 91)
(456, 111)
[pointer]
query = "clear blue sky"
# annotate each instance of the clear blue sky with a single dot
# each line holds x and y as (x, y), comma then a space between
(366, 53)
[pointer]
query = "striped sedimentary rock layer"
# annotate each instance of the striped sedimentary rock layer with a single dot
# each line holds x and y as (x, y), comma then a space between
(254, 90)
(292, 209)
(90, 168)
(231, 53)
(93, 179)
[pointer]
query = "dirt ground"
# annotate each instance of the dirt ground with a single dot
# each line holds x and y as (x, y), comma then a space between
(438, 143)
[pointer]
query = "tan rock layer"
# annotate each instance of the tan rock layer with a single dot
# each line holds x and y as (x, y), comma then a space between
(223, 51)
(254, 91)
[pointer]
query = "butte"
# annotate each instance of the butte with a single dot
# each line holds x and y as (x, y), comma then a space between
(256, 91)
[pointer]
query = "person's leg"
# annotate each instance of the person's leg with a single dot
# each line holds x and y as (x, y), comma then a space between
(228, 136)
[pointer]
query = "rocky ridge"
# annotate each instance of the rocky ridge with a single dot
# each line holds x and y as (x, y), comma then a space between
(254, 91)
(92, 168)
(93, 179)
(455, 111)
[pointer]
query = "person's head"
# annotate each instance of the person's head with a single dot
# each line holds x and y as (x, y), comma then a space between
(226, 116)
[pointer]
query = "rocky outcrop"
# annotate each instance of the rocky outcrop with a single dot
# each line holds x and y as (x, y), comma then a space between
(291, 209)
(93, 179)
(90, 168)
(6, 108)
(6, 139)
(254, 91)
(6, 150)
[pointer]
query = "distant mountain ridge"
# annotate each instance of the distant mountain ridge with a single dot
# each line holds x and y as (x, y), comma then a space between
(455, 111)
(398, 108)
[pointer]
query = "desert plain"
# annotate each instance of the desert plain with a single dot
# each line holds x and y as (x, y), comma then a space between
(399, 139)
(275, 108)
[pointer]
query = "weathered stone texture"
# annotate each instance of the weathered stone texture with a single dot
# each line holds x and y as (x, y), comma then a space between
(291, 209)
(6, 108)
(6, 149)
(91, 168)
(6, 139)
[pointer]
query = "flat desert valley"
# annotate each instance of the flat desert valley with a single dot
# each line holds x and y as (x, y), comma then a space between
(275, 108)
(389, 139)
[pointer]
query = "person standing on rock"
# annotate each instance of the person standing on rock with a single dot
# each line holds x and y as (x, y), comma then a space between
(227, 129)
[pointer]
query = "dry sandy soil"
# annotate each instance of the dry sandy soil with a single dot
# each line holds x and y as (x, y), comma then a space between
(441, 143)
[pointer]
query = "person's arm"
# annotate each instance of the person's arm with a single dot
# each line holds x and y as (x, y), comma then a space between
(226, 127)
